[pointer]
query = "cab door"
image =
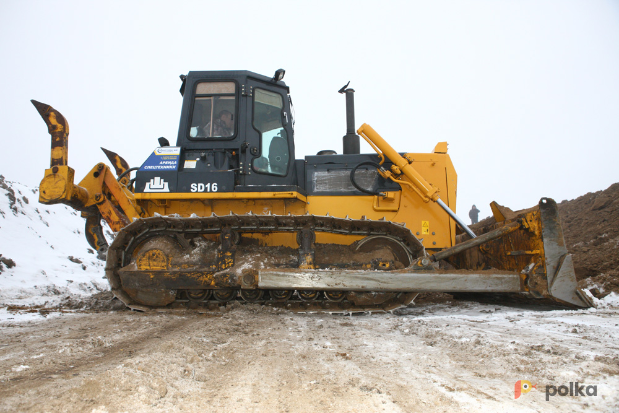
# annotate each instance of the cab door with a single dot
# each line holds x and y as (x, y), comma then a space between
(269, 136)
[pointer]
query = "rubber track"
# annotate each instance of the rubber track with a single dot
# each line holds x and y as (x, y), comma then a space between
(121, 250)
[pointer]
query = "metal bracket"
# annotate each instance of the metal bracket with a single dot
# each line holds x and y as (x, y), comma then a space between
(227, 249)
(306, 238)
(247, 90)
(516, 253)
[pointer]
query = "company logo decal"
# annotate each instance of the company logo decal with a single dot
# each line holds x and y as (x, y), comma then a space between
(168, 150)
(156, 185)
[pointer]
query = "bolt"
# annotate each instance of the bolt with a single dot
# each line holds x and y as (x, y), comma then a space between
(100, 167)
(248, 279)
(55, 169)
(97, 197)
(417, 233)
(434, 233)
(434, 243)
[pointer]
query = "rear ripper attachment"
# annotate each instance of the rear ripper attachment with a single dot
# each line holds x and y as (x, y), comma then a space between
(98, 196)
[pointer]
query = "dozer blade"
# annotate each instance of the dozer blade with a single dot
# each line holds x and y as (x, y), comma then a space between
(536, 250)
(560, 272)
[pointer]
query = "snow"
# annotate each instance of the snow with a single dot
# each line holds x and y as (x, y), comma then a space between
(25, 315)
(610, 301)
(40, 239)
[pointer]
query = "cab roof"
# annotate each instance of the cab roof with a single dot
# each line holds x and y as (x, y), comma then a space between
(232, 74)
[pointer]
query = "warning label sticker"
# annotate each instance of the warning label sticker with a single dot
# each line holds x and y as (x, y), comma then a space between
(425, 227)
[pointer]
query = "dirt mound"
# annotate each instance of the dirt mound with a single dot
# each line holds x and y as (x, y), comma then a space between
(591, 231)
(103, 301)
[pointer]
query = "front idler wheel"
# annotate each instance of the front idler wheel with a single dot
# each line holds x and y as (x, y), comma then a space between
(401, 253)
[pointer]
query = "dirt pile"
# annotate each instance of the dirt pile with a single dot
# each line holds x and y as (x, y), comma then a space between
(101, 301)
(591, 232)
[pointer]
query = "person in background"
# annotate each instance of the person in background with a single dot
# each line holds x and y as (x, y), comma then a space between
(474, 215)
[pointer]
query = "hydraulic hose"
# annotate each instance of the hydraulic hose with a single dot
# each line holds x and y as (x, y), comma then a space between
(352, 178)
(128, 171)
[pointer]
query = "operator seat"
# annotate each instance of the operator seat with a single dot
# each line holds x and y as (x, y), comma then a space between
(278, 155)
(261, 164)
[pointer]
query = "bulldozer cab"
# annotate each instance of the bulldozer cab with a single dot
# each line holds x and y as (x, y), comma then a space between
(235, 134)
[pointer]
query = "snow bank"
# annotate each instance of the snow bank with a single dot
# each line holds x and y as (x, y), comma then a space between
(45, 258)
(609, 301)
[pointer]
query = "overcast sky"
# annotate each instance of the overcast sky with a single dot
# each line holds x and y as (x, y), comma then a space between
(525, 92)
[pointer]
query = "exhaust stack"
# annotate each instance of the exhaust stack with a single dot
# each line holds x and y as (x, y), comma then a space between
(351, 139)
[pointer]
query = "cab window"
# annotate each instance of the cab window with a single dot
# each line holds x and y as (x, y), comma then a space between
(214, 111)
(273, 138)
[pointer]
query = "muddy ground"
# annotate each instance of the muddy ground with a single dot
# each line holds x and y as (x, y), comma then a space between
(456, 356)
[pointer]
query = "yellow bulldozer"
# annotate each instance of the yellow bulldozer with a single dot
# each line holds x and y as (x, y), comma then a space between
(228, 214)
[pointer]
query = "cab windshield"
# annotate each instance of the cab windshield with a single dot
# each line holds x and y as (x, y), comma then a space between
(214, 111)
